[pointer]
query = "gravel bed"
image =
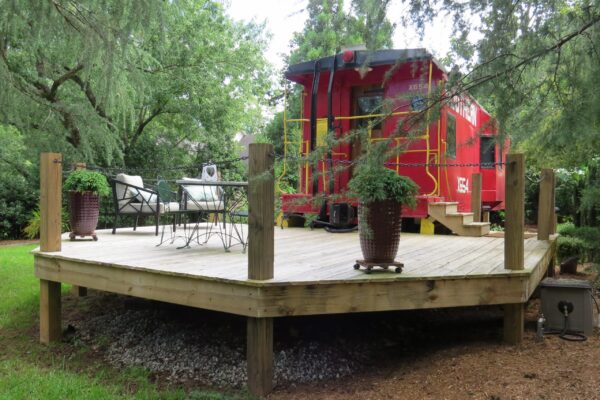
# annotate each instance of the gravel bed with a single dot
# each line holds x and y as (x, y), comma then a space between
(183, 345)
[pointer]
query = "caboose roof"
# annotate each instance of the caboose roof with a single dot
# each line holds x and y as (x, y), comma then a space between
(362, 58)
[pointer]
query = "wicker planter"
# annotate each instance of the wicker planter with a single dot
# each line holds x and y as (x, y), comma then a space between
(380, 224)
(84, 211)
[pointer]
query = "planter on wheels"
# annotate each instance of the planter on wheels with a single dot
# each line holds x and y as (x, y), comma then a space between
(380, 224)
(84, 212)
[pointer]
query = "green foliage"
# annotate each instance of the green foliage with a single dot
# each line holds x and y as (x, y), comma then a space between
(566, 229)
(586, 236)
(87, 181)
(133, 84)
(570, 247)
(32, 230)
(371, 183)
(29, 370)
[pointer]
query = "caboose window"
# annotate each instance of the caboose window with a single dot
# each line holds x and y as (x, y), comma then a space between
(450, 136)
(370, 105)
(487, 151)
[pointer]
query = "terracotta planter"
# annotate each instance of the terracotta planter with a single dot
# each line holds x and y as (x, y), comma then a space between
(380, 224)
(84, 211)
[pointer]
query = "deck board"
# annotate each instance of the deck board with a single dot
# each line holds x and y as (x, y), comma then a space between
(313, 272)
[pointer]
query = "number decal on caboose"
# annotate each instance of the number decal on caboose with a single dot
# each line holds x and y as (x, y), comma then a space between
(463, 185)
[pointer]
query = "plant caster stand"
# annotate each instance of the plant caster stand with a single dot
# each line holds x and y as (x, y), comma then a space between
(72, 236)
(368, 265)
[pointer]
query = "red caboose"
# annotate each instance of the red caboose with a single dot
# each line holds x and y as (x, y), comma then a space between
(346, 91)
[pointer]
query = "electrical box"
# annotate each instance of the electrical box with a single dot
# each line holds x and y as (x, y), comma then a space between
(572, 294)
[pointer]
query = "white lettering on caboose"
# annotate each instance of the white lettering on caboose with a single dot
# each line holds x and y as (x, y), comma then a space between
(465, 108)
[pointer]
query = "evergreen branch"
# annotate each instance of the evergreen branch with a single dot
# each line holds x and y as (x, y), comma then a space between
(143, 123)
(70, 73)
(89, 94)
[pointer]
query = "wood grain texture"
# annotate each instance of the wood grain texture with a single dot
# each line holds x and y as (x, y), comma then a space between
(545, 223)
(314, 273)
(50, 201)
(514, 224)
(476, 196)
(259, 354)
(261, 204)
(50, 315)
(514, 323)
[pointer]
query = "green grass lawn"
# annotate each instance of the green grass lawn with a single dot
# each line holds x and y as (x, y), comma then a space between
(29, 370)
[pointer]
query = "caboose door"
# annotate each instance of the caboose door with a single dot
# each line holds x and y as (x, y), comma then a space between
(366, 100)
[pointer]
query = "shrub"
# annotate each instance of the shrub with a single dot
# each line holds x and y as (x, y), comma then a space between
(32, 230)
(566, 229)
(570, 247)
(591, 239)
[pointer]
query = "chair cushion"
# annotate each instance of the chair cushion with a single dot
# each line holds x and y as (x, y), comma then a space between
(200, 192)
(205, 205)
(146, 196)
(134, 208)
(134, 180)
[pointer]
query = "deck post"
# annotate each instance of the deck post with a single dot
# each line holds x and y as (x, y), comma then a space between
(261, 204)
(514, 323)
(546, 205)
(50, 241)
(476, 196)
(514, 224)
(79, 291)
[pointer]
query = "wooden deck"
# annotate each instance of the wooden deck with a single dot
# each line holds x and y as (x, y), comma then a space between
(313, 272)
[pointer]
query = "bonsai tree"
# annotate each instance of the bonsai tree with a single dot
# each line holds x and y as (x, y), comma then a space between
(85, 188)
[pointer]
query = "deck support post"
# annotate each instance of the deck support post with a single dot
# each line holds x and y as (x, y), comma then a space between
(514, 236)
(261, 204)
(546, 213)
(476, 196)
(79, 291)
(259, 355)
(50, 241)
(50, 318)
(514, 224)
(514, 323)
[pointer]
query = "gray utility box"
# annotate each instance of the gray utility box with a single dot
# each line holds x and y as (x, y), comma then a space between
(578, 294)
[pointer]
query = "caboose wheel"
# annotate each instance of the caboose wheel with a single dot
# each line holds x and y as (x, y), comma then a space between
(71, 236)
(95, 238)
(369, 268)
(398, 270)
(356, 266)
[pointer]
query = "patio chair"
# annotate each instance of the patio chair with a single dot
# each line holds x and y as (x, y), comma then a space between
(208, 200)
(131, 198)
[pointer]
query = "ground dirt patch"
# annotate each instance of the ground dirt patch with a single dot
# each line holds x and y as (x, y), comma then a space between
(430, 354)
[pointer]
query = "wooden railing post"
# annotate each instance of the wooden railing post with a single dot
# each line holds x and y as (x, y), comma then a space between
(514, 223)
(546, 214)
(514, 227)
(50, 241)
(50, 201)
(476, 196)
(261, 203)
(79, 291)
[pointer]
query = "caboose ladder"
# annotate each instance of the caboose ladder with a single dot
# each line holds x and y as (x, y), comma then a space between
(461, 223)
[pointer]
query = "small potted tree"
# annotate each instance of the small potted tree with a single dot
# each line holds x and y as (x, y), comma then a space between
(85, 188)
(381, 193)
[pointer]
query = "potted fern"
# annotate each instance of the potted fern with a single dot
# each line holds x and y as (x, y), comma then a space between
(85, 188)
(381, 193)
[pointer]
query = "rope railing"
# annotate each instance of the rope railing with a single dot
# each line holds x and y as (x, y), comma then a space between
(111, 171)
